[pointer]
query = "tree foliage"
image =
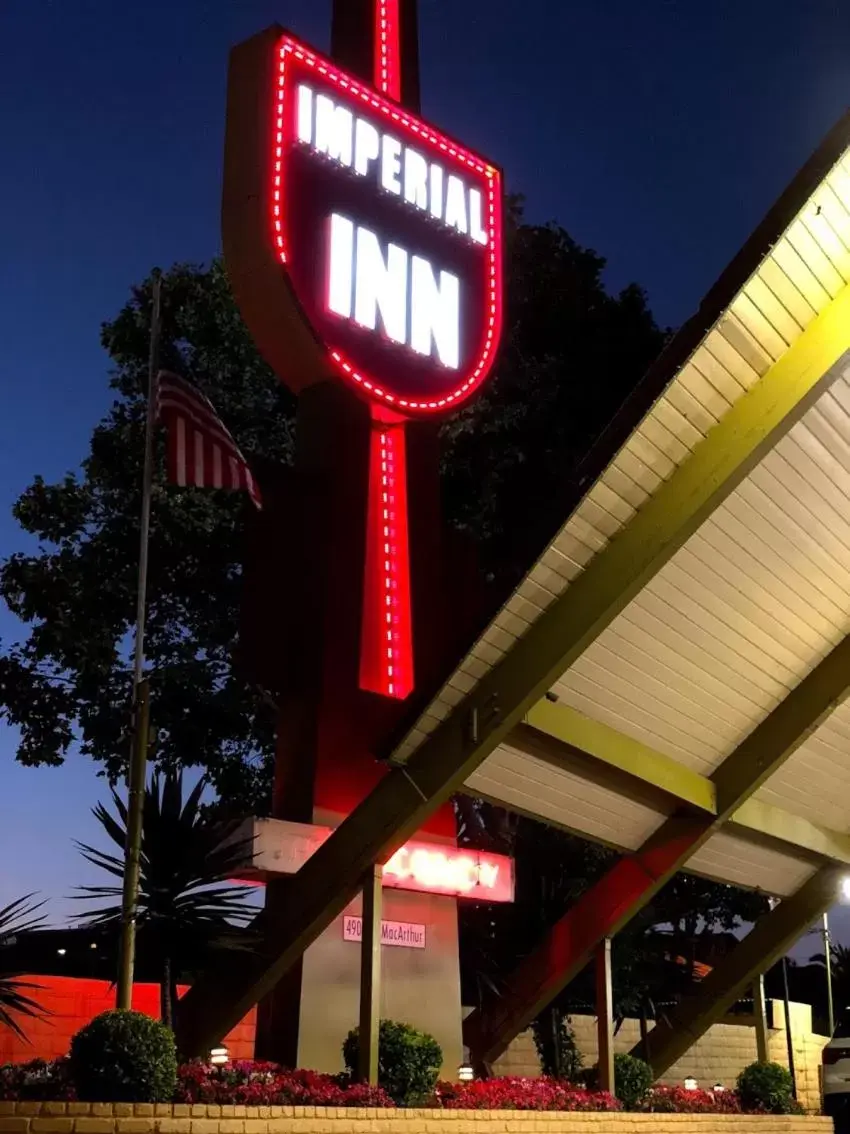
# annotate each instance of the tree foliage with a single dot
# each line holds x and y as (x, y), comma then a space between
(571, 353)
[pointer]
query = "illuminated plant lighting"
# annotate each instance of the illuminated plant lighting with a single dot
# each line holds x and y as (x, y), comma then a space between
(219, 1056)
(288, 48)
(691, 1084)
(465, 1073)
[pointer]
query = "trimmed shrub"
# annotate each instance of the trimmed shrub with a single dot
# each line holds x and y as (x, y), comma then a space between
(409, 1061)
(767, 1087)
(632, 1080)
(124, 1057)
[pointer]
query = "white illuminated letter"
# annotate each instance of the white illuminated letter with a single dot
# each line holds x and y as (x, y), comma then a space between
(415, 178)
(334, 127)
(435, 194)
(434, 312)
(475, 229)
(339, 265)
(391, 164)
(305, 114)
(367, 145)
(456, 204)
(380, 286)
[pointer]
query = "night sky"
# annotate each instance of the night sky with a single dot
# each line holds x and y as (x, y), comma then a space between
(657, 133)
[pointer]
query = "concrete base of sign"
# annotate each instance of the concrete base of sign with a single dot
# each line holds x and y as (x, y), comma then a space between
(420, 979)
(418, 986)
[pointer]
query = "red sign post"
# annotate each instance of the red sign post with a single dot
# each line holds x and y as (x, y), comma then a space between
(364, 248)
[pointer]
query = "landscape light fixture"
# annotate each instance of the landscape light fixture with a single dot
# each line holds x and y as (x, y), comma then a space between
(691, 1083)
(219, 1055)
(718, 1088)
(465, 1073)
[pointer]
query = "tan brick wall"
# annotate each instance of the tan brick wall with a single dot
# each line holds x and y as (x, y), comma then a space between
(717, 1057)
(124, 1118)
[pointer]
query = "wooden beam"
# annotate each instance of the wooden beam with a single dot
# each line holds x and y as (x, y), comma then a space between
(771, 938)
(633, 881)
(398, 806)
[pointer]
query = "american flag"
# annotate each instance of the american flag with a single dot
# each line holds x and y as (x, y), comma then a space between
(200, 451)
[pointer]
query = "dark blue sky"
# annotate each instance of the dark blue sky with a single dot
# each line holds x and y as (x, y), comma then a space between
(656, 132)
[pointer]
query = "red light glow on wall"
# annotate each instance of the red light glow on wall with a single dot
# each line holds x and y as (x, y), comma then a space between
(386, 651)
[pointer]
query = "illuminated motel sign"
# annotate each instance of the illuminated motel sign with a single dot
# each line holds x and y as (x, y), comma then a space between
(279, 846)
(364, 245)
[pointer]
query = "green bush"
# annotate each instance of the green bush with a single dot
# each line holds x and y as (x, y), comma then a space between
(768, 1087)
(124, 1057)
(409, 1061)
(632, 1080)
(556, 1046)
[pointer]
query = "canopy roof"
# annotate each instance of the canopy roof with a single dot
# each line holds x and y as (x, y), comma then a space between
(702, 572)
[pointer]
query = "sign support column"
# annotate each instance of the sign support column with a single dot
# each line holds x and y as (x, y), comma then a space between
(605, 1016)
(370, 976)
(760, 1011)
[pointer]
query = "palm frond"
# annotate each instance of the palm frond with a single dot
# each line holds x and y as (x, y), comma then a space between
(18, 919)
(186, 907)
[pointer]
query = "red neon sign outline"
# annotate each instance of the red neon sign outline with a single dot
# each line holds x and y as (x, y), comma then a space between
(388, 49)
(386, 658)
(493, 324)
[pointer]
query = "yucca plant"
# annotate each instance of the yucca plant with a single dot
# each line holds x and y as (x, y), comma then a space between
(18, 919)
(183, 913)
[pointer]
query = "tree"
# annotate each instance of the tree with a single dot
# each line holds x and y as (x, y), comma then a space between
(571, 353)
(17, 920)
(184, 914)
(70, 678)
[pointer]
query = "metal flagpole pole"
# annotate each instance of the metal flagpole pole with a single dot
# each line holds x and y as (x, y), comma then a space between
(827, 956)
(138, 759)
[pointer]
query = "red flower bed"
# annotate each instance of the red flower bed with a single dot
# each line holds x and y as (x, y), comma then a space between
(521, 1094)
(267, 1084)
(37, 1081)
(676, 1100)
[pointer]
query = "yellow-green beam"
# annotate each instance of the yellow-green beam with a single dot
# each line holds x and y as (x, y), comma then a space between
(634, 766)
(399, 805)
(620, 752)
(769, 939)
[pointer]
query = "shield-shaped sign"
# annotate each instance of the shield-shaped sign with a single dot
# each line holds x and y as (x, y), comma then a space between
(360, 241)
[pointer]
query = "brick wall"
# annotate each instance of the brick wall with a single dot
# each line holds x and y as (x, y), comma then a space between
(127, 1118)
(71, 1002)
(717, 1057)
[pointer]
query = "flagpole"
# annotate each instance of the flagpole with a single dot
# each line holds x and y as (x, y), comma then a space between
(138, 760)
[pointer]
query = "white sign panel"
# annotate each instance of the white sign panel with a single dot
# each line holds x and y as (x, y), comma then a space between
(404, 933)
